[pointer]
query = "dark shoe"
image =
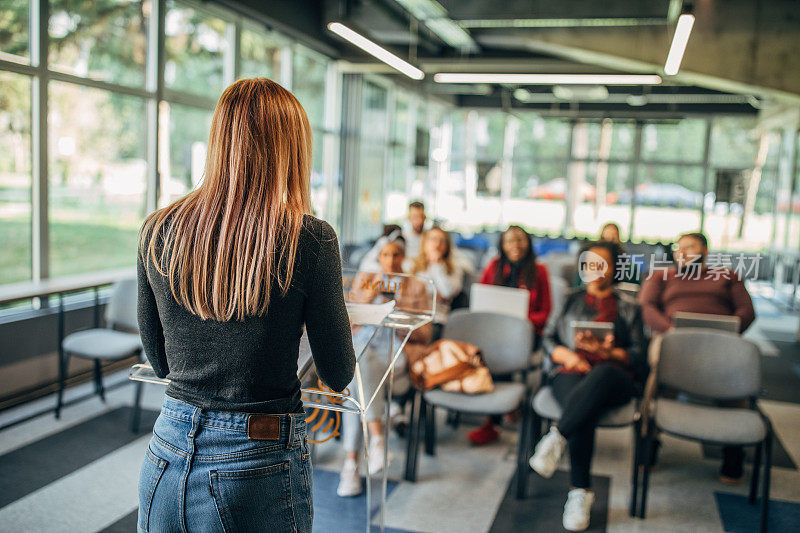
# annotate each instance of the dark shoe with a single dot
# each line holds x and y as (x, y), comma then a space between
(732, 468)
(484, 435)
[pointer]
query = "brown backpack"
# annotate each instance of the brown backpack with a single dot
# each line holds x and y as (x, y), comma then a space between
(452, 365)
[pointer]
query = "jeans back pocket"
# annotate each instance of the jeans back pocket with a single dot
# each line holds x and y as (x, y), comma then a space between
(152, 469)
(255, 499)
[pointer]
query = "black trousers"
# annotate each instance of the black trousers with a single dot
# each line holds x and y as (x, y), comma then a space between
(583, 399)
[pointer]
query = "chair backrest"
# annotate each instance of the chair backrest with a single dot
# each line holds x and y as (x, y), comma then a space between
(558, 292)
(121, 309)
(709, 363)
(505, 341)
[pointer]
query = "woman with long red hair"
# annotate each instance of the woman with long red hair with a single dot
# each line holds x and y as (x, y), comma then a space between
(228, 275)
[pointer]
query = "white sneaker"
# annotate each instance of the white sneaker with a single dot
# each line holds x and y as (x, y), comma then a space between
(547, 454)
(376, 457)
(577, 509)
(349, 480)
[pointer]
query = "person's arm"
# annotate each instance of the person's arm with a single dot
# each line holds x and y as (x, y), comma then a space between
(487, 277)
(447, 285)
(742, 304)
(650, 300)
(326, 319)
(541, 305)
(150, 328)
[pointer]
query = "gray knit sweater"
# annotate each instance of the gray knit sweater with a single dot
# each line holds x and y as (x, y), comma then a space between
(251, 365)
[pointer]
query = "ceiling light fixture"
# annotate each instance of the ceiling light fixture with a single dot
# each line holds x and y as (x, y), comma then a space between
(678, 47)
(375, 50)
(548, 79)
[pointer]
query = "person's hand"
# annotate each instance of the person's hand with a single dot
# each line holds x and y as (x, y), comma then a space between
(571, 360)
(586, 341)
(576, 363)
(606, 346)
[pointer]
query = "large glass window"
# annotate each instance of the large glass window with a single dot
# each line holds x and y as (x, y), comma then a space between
(96, 178)
(15, 177)
(668, 199)
(674, 141)
(308, 83)
(260, 55)
(185, 131)
(372, 158)
(734, 142)
(14, 32)
(195, 48)
(104, 40)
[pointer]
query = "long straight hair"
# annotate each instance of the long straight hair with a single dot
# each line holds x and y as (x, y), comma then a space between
(225, 243)
(421, 261)
(527, 265)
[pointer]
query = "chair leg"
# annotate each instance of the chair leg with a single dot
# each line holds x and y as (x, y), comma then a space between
(536, 431)
(63, 364)
(136, 414)
(754, 476)
(98, 380)
(430, 428)
(648, 450)
(637, 440)
(412, 444)
(765, 487)
(522, 450)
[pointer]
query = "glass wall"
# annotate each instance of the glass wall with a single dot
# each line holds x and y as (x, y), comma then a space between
(105, 129)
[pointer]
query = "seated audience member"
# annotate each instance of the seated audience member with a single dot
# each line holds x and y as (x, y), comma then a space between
(414, 227)
(369, 263)
(594, 374)
(690, 286)
(366, 288)
(610, 233)
(516, 267)
(435, 262)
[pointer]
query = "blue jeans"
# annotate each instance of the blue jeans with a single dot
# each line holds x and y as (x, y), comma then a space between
(222, 471)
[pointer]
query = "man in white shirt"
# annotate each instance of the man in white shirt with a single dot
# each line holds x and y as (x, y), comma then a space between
(413, 228)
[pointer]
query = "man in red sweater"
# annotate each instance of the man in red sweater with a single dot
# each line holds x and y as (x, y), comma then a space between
(691, 286)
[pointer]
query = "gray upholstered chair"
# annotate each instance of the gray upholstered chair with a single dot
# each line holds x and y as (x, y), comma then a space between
(710, 366)
(547, 410)
(506, 344)
(107, 344)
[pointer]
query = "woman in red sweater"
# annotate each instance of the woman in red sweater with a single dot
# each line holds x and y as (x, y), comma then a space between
(516, 267)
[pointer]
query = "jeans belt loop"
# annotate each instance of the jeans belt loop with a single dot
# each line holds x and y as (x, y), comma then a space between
(291, 431)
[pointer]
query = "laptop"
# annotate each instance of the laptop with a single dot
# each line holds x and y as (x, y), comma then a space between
(684, 319)
(501, 300)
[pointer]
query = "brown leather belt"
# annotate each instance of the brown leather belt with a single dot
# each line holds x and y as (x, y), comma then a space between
(264, 427)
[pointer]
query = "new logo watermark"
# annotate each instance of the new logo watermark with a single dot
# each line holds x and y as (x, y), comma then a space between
(591, 266)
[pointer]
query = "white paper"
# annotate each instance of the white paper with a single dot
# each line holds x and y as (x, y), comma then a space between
(369, 314)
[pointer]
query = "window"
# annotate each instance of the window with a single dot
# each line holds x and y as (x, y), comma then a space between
(668, 199)
(188, 129)
(372, 156)
(308, 83)
(96, 178)
(542, 138)
(734, 142)
(260, 55)
(14, 33)
(15, 177)
(677, 141)
(196, 45)
(604, 197)
(101, 40)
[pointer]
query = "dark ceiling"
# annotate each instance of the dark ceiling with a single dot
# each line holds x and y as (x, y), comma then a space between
(740, 53)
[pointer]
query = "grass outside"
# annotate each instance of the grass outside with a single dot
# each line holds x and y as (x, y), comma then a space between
(75, 247)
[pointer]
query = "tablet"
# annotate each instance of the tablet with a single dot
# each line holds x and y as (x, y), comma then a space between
(598, 329)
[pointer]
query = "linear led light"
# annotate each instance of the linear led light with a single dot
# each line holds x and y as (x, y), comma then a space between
(375, 50)
(549, 79)
(678, 47)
